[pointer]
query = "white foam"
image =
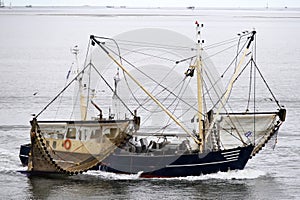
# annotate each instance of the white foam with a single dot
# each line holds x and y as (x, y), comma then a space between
(113, 176)
(230, 175)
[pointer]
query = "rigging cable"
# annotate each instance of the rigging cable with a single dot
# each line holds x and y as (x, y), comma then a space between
(60, 100)
(250, 61)
(146, 54)
(74, 104)
(136, 99)
(149, 44)
(250, 87)
(237, 51)
(225, 50)
(235, 58)
(141, 104)
(148, 99)
(111, 89)
(181, 89)
(88, 93)
(217, 44)
(227, 70)
(254, 102)
(75, 78)
(119, 51)
(155, 81)
(165, 98)
(226, 92)
(217, 103)
(211, 46)
(236, 118)
(80, 78)
(264, 80)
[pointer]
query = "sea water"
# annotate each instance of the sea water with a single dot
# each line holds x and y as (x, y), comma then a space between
(35, 58)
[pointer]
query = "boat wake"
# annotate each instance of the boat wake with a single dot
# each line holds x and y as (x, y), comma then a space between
(113, 176)
(8, 162)
(231, 175)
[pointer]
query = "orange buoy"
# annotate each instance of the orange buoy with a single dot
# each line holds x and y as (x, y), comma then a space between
(67, 144)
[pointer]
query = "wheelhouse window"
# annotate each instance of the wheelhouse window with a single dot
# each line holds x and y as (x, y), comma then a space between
(71, 134)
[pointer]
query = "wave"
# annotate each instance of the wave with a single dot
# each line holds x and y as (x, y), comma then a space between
(13, 127)
(113, 176)
(230, 175)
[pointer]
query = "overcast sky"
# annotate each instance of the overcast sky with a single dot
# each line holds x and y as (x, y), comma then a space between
(159, 3)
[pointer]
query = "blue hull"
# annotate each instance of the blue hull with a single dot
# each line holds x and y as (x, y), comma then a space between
(170, 165)
(24, 153)
(176, 166)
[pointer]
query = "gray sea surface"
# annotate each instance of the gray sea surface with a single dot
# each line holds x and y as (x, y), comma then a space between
(35, 57)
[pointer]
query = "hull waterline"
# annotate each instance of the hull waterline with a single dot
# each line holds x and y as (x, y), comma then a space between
(172, 165)
(184, 165)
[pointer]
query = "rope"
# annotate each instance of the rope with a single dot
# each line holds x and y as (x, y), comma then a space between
(146, 54)
(146, 99)
(60, 100)
(164, 46)
(168, 123)
(235, 58)
(264, 80)
(250, 84)
(112, 89)
(75, 78)
(154, 80)
(218, 44)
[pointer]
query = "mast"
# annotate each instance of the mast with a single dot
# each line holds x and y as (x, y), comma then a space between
(115, 98)
(83, 106)
(199, 87)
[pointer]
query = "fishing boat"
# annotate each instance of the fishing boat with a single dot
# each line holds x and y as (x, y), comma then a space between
(189, 124)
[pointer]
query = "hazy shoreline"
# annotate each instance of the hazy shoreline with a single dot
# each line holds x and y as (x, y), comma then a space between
(191, 8)
(102, 11)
